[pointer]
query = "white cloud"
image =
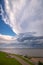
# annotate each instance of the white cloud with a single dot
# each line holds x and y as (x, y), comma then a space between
(24, 15)
(7, 39)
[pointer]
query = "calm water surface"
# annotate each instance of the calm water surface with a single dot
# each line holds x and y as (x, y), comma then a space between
(25, 51)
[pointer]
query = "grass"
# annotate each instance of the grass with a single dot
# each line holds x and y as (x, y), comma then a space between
(25, 59)
(4, 60)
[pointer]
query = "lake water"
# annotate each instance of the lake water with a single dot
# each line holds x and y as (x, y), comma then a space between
(25, 51)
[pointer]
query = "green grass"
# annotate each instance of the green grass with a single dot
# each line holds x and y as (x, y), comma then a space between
(4, 60)
(25, 59)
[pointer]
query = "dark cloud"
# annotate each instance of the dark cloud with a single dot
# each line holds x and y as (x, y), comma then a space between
(23, 40)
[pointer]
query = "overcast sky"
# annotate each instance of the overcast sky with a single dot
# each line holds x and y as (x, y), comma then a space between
(20, 16)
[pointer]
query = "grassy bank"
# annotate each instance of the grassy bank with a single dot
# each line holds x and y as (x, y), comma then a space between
(4, 60)
(24, 58)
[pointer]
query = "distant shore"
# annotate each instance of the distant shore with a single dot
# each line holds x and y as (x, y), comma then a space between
(24, 51)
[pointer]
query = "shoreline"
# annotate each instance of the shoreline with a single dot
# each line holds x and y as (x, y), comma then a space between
(24, 51)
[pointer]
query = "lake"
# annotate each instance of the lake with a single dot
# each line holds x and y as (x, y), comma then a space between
(24, 51)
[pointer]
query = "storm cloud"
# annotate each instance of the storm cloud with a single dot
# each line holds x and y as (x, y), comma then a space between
(21, 42)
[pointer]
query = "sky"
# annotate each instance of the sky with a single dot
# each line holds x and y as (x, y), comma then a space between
(21, 23)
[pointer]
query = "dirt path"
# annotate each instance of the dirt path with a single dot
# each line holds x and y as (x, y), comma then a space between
(20, 60)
